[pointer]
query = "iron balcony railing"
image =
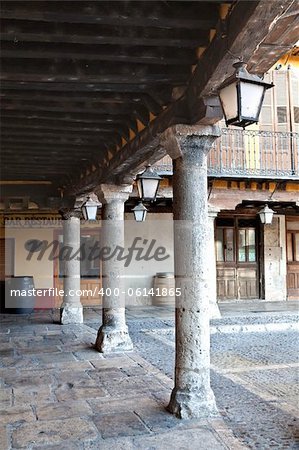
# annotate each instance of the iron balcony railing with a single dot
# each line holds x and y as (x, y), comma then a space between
(250, 154)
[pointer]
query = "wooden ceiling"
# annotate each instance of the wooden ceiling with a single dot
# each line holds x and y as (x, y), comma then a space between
(81, 78)
(86, 84)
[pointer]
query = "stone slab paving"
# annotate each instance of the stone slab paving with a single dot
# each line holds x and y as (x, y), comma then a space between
(69, 396)
(57, 392)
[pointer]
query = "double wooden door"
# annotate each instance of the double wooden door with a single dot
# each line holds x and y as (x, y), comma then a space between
(237, 259)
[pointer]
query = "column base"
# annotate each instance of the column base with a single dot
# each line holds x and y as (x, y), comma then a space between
(192, 405)
(214, 311)
(111, 340)
(71, 314)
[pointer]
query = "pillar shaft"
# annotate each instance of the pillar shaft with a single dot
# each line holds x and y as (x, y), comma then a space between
(113, 334)
(71, 309)
(211, 261)
(192, 395)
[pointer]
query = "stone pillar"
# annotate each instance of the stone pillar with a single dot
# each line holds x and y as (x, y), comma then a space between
(71, 308)
(113, 335)
(192, 396)
(211, 261)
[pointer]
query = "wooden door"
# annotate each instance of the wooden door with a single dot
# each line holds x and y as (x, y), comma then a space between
(293, 264)
(237, 261)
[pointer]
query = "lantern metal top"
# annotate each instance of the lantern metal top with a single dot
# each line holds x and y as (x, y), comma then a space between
(139, 207)
(149, 173)
(140, 212)
(241, 73)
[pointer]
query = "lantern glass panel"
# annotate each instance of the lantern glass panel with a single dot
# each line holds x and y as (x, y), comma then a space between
(251, 99)
(140, 216)
(229, 100)
(149, 188)
(91, 212)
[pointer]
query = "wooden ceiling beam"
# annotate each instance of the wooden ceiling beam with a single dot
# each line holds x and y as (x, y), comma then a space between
(85, 112)
(121, 14)
(7, 142)
(160, 96)
(85, 87)
(61, 118)
(39, 71)
(30, 31)
(105, 138)
(116, 54)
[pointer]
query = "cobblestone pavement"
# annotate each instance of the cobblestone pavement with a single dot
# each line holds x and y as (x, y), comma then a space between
(57, 392)
(254, 377)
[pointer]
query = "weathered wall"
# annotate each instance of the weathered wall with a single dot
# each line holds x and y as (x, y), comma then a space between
(42, 271)
(140, 274)
(275, 259)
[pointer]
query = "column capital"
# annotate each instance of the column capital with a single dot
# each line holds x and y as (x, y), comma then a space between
(68, 213)
(181, 140)
(110, 192)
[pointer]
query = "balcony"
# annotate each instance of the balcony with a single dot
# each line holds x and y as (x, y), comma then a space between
(250, 154)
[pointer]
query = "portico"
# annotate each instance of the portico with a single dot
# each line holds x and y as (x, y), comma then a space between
(90, 97)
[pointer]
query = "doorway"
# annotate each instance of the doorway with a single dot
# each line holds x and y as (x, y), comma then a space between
(237, 258)
(293, 259)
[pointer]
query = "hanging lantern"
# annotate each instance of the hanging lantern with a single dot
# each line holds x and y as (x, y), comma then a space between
(89, 209)
(140, 212)
(242, 96)
(148, 184)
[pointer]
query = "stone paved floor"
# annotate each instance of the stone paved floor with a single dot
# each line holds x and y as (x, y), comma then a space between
(57, 392)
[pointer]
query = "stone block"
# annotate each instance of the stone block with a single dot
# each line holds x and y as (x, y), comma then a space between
(119, 424)
(16, 414)
(52, 432)
(63, 410)
(4, 445)
(115, 405)
(77, 391)
(32, 395)
(5, 397)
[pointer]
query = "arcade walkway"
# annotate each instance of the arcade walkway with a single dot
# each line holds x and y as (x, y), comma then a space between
(57, 392)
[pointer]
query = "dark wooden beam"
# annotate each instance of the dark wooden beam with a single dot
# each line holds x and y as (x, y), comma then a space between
(43, 70)
(122, 14)
(75, 112)
(120, 54)
(19, 31)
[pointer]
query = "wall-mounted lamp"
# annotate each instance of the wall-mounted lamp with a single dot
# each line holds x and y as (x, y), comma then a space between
(266, 215)
(241, 97)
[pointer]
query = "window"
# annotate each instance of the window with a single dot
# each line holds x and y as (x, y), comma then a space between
(225, 246)
(246, 245)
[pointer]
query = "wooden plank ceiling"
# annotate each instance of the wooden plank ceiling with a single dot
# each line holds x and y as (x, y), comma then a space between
(87, 84)
(81, 78)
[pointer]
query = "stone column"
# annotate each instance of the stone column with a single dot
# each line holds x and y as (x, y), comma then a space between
(211, 261)
(113, 335)
(192, 396)
(71, 308)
